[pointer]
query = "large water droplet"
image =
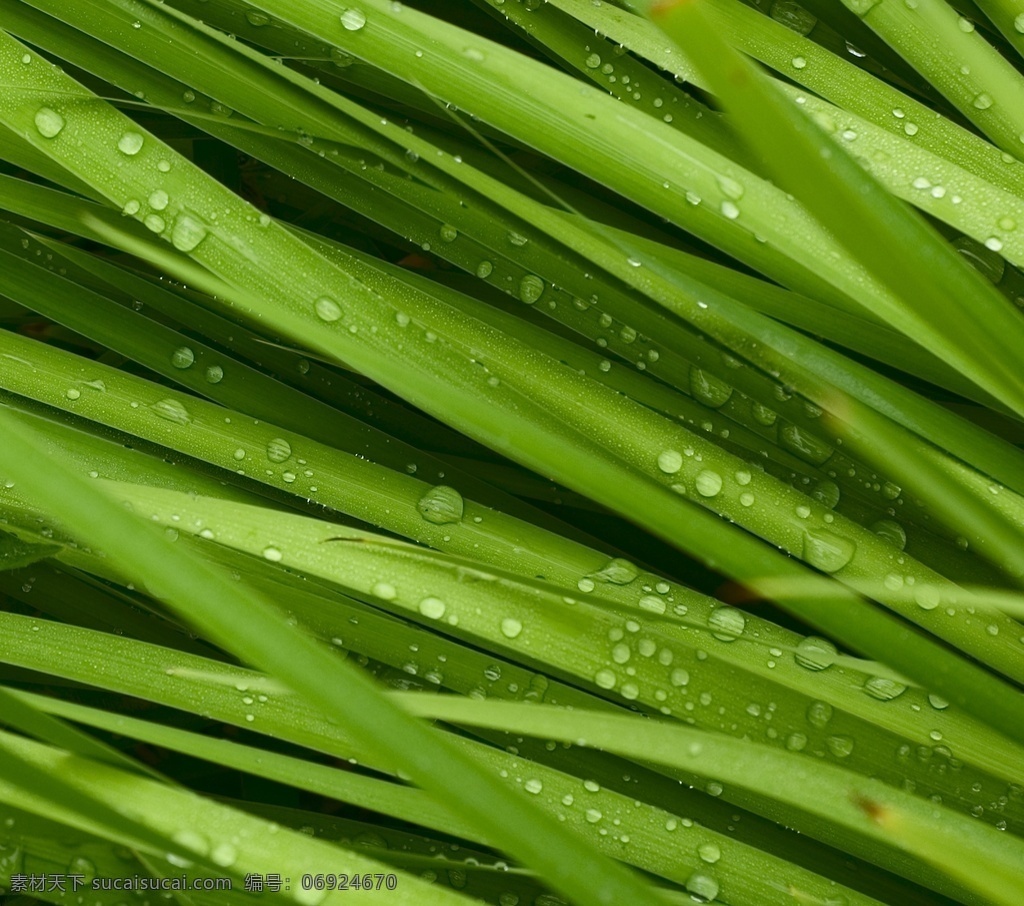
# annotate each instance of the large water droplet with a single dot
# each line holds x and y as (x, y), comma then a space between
(670, 461)
(327, 309)
(183, 357)
(441, 505)
(891, 531)
(432, 608)
(353, 19)
(187, 232)
(511, 627)
(702, 886)
(278, 449)
(727, 623)
(804, 444)
(49, 122)
(617, 572)
(708, 483)
(815, 653)
(826, 492)
(793, 16)
(172, 411)
(826, 551)
(883, 688)
(819, 714)
(708, 389)
(531, 288)
(130, 143)
(763, 415)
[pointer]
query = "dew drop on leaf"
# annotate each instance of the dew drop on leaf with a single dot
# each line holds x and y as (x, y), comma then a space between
(815, 653)
(130, 143)
(278, 449)
(826, 551)
(48, 122)
(441, 505)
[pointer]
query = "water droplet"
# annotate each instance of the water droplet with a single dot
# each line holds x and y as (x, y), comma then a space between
(708, 389)
(183, 357)
(746, 499)
(605, 679)
(256, 17)
(432, 608)
(709, 852)
(927, 597)
(796, 742)
(819, 714)
(702, 887)
(49, 122)
(793, 16)
(130, 143)
(670, 461)
(804, 444)
(982, 101)
(708, 483)
(214, 374)
(883, 688)
(155, 223)
(484, 269)
(187, 233)
(224, 855)
(815, 653)
(511, 627)
(826, 492)
(353, 19)
(938, 703)
(652, 603)
(593, 815)
(729, 209)
(533, 786)
(327, 309)
(73, 393)
(799, 62)
(826, 551)
(891, 531)
(727, 623)
(131, 207)
(448, 233)
(531, 288)
(763, 415)
(592, 61)
(172, 411)
(840, 746)
(272, 554)
(1018, 23)
(910, 128)
(384, 590)
(616, 572)
(278, 450)
(158, 199)
(441, 505)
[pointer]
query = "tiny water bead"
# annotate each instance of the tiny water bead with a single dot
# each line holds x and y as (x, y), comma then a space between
(130, 143)
(49, 122)
(183, 357)
(327, 309)
(441, 505)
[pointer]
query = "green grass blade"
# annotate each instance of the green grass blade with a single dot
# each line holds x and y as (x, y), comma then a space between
(304, 664)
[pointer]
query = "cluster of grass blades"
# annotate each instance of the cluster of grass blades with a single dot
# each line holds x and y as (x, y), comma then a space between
(526, 452)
